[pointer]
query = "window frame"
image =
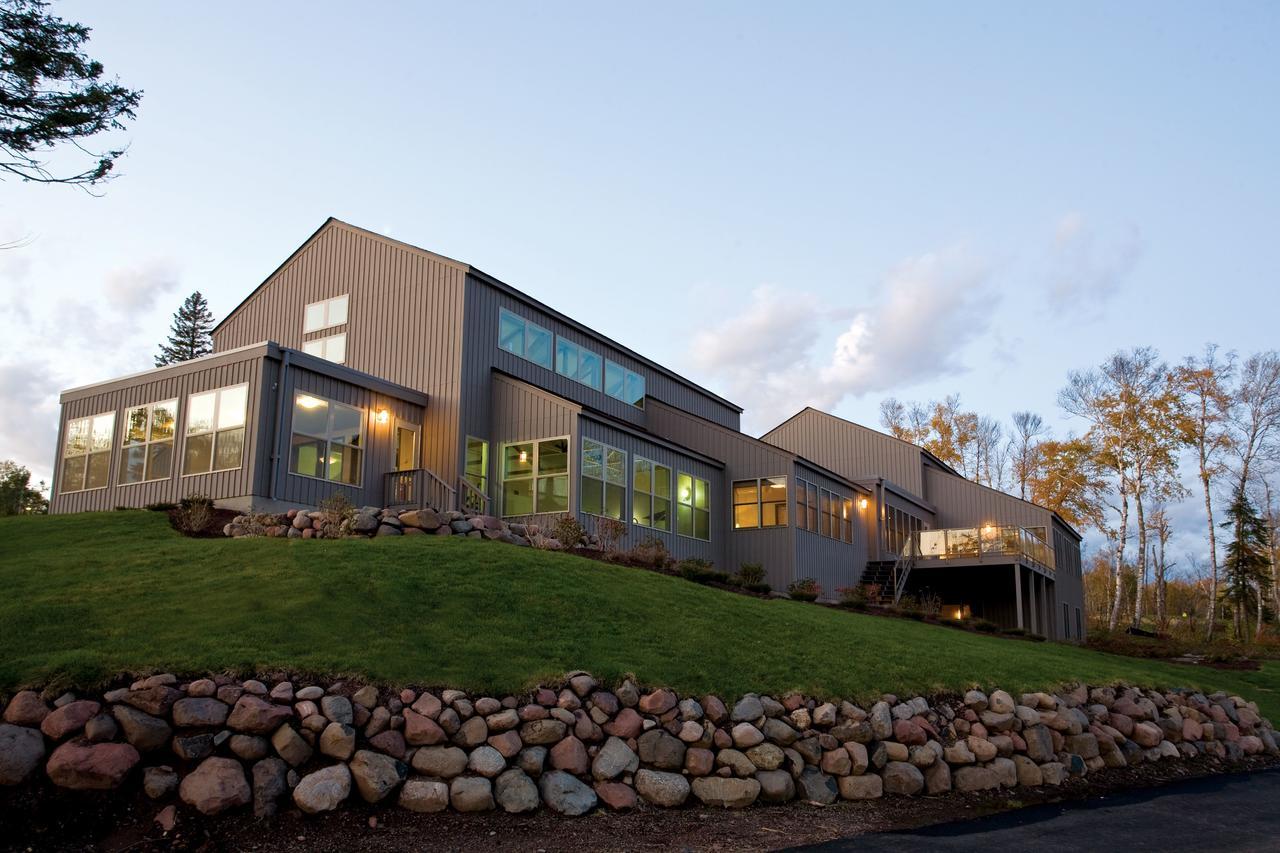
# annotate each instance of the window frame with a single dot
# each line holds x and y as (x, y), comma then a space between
(187, 435)
(125, 445)
(325, 342)
(534, 476)
(760, 502)
(694, 480)
(818, 507)
(484, 463)
(627, 377)
(526, 324)
(326, 323)
(89, 452)
(653, 494)
(604, 480)
(327, 439)
(577, 373)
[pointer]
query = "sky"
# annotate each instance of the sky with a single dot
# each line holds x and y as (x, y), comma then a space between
(791, 204)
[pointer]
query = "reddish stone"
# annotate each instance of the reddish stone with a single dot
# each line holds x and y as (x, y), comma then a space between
(793, 702)
(907, 732)
(545, 697)
(422, 731)
(657, 702)
(616, 795)
(81, 765)
(155, 700)
(427, 705)
(714, 709)
(69, 719)
(606, 702)
(978, 730)
(1147, 735)
(1121, 723)
(528, 713)
(257, 716)
(926, 725)
(1019, 745)
(507, 743)
(1191, 730)
(1130, 709)
(1233, 732)
(407, 696)
(390, 743)
(568, 700)
(699, 762)
(570, 755)
(722, 739)
(585, 727)
(26, 709)
(627, 724)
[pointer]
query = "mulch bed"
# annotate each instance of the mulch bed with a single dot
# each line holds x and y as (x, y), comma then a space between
(40, 817)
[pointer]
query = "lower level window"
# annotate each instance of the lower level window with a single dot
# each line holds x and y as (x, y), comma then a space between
(693, 507)
(651, 494)
(328, 440)
(760, 503)
(147, 453)
(215, 430)
(535, 477)
(477, 468)
(604, 480)
(86, 453)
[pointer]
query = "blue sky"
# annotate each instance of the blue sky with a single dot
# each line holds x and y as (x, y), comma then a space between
(790, 203)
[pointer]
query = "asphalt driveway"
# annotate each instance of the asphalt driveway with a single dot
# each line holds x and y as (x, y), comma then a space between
(1235, 812)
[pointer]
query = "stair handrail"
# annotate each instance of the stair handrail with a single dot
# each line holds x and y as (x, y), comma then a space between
(902, 567)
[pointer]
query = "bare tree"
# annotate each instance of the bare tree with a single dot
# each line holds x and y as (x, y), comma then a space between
(1160, 529)
(1029, 431)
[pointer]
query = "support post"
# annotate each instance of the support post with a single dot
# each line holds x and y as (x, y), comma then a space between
(1017, 591)
(1035, 620)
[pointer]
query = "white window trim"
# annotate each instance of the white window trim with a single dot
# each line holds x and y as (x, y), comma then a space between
(669, 496)
(327, 303)
(177, 410)
(324, 347)
(217, 409)
(693, 496)
(364, 422)
(534, 476)
(626, 479)
(63, 461)
(759, 481)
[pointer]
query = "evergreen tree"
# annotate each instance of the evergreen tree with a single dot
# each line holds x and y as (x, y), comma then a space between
(189, 335)
(1246, 567)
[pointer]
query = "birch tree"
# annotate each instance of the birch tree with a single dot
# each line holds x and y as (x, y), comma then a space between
(1204, 381)
(1029, 431)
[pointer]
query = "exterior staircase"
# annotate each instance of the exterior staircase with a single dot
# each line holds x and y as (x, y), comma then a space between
(890, 577)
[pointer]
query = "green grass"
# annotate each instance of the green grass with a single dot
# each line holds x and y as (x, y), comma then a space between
(88, 596)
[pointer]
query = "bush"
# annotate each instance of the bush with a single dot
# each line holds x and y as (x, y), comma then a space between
(804, 589)
(759, 588)
(568, 531)
(194, 514)
(1014, 632)
(161, 506)
(651, 552)
(931, 605)
(337, 508)
(610, 530)
(853, 597)
(986, 626)
(751, 573)
(872, 591)
(700, 571)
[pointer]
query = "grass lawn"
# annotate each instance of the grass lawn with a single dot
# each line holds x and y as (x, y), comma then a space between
(89, 596)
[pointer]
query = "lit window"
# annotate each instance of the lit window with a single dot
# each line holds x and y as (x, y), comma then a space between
(332, 348)
(604, 480)
(535, 477)
(760, 503)
(147, 452)
(577, 363)
(526, 339)
(86, 453)
(215, 430)
(651, 494)
(623, 384)
(693, 507)
(476, 471)
(325, 314)
(846, 522)
(327, 441)
(823, 512)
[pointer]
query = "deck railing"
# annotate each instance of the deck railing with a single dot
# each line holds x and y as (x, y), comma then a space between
(473, 500)
(418, 487)
(981, 543)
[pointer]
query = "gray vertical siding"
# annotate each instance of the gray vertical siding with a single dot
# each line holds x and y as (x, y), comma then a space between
(179, 381)
(832, 563)
(850, 450)
(379, 439)
(964, 503)
(404, 320)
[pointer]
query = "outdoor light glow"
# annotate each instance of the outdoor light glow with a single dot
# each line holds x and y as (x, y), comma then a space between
(862, 503)
(383, 416)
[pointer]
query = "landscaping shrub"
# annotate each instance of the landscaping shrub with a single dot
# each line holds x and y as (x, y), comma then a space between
(651, 553)
(804, 589)
(194, 514)
(610, 530)
(161, 506)
(872, 591)
(931, 605)
(568, 531)
(700, 571)
(853, 597)
(760, 588)
(1014, 632)
(986, 626)
(751, 573)
(338, 508)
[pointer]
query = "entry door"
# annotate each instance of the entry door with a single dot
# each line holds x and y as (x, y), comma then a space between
(407, 450)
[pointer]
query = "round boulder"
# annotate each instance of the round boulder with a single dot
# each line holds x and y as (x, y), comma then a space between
(216, 785)
(323, 790)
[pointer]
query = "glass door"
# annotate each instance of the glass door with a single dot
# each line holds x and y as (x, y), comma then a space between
(406, 447)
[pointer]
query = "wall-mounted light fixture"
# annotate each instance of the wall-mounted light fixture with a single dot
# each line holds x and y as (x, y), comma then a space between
(862, 503)
(383, 416)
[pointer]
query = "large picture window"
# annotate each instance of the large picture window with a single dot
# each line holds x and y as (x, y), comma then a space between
(535, 477)
(215, 430)
(604, 480)
(693, 507)
(578, 363)
(325, 314)
(760, 503)
(86, 453)
(327, 441)
(332, 348)
(823, 512)
(623, 384)
(147, 451)
(525, 338)
(651, 494)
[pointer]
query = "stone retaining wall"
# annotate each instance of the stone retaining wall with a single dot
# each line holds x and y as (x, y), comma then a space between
(217, 744)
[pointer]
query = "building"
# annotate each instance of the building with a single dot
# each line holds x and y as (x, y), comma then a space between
(367, 366)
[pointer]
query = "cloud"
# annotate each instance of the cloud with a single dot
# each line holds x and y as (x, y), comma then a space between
(934, 305)
(29, 416)
(1085, 270)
